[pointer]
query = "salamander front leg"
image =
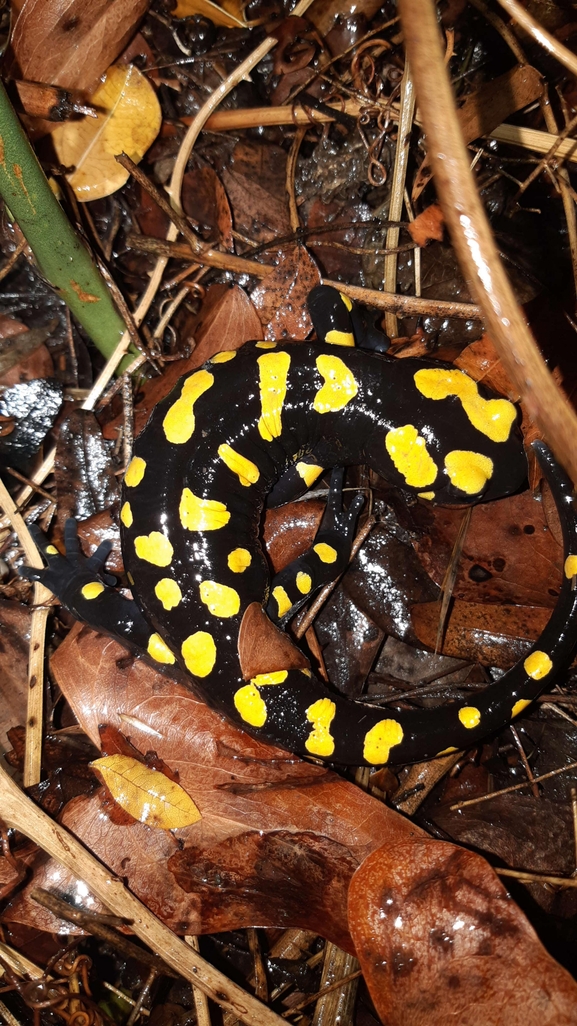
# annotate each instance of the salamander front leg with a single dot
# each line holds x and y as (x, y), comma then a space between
(84, 588)
(323, 562)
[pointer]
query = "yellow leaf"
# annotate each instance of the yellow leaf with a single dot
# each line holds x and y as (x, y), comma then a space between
(229, 13)
(128, 121)
(146, 794)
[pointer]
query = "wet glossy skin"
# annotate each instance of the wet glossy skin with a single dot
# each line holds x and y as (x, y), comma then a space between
(274, 417)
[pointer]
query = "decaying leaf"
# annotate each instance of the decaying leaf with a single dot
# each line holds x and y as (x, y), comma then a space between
(129, 121)
(229, 13)
(149, 796)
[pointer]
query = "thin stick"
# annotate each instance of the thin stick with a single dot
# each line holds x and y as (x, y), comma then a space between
(518, 874)
(19, 812)
(540, 35)
(407, 111)
(473, 240)
(534, 139)
(513, 787)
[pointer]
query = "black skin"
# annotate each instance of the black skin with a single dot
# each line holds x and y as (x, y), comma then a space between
(228, 411)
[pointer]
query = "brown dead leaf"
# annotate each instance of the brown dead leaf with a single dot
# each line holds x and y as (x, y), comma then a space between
(428, 225)
(147, 795)
(128, 121)
(71, 43)
(496, 635)
(440, 941)
(481, 360)
(281, 298)
(229, 13)
(206, 202)
(255, 186)
(15, 635)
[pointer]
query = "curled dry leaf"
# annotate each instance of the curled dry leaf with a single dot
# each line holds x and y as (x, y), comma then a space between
(128, 121)
(149, 796)
(71, 43)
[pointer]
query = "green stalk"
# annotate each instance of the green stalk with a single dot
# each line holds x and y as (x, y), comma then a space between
(61, 255)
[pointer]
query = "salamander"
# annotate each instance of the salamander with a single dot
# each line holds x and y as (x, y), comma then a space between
(270, 419)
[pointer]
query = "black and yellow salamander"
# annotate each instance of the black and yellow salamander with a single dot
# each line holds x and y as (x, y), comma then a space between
(193, 497)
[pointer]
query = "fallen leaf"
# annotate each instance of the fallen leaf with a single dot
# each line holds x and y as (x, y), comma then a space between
(129, 121)
(149, 796)
(492, 634)
(281, 299)
(428, 225)
(230, 13)
(71, 43)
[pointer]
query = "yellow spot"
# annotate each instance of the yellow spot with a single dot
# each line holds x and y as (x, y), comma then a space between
(339, 387)
(168, 592)
(154, 548)
(408, 451)
(426, 495)
(265, 345)
(538, 665)
(224, 357)
(380, 739)
(134, 472)
(199, 653)
(179, 422)
(51, 550)
(247, 471)
(309, 472)
(159, 650)
(468, 471)
(282, 600)
(325, 552)
(306, 672)
(273, 373)
(346, 301)
(447, 751)
(238, 560)
(201, 514)
(570, 566)
(493, 417)
(339, 338)
(519, 706)
(250, 706)
(126, 515)
(276, 677)
(92, 590)
(220, 599)
(303, 582)
(321, 714)
(469, 716)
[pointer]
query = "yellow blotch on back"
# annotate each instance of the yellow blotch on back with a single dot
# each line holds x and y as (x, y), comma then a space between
(447, 751)
(538, 665)
(468, 471)
(303, 582)
(246, 471)
(224, 357)
(92, 590)
(380, 739)
(134, 472)
(320, 741)
(493, 417)
(309, 472)
(220, 599)
(339, 387)
(273, 373)
(154, 548)
(168, 592)
(199, 653)
(570, 566)
(238, 560)
(250, 706)
(408, 451)
(265, 344)
(126, 515)
(326, 553)
(469, 716)
(201, 514)
(348, 302)
(339, 338)
(521, 704)
(426, 495)
(282, 600)
(179, 422)
(275, 677)
(159, 650)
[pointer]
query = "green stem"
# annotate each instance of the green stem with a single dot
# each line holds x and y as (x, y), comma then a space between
(61, 255)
